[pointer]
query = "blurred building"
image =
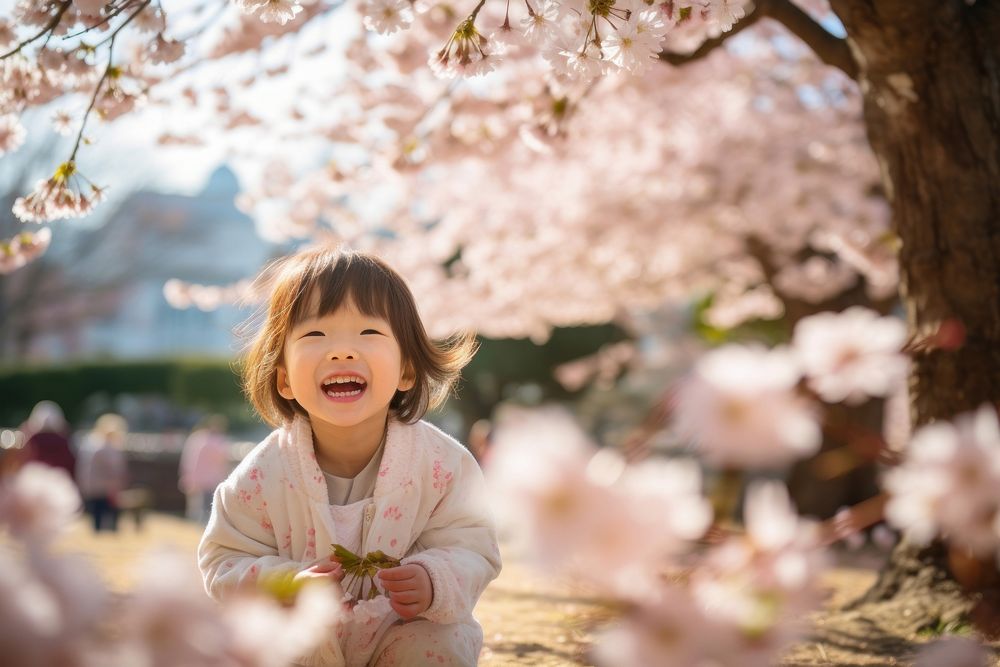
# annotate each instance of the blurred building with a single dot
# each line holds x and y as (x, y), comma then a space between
(199, 239)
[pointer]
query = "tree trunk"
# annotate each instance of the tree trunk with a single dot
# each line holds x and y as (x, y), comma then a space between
(929, 71)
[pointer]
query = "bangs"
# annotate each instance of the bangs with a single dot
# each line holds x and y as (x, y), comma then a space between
(329, 279)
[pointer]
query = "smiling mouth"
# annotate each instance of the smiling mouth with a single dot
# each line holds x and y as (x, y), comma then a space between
(344, 386)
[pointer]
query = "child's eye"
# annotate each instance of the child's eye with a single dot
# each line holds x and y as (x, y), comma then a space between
(371, 331)
(313, 333)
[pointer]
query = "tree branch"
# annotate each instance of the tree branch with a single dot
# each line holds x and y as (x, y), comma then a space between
(831, 49)
(755, 14)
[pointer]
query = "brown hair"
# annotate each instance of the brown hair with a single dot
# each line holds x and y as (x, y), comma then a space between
(333, 275)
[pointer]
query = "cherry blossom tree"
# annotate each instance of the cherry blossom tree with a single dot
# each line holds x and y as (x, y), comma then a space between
(508, 191)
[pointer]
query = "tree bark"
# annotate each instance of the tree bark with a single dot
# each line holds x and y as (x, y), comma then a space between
(929, 71)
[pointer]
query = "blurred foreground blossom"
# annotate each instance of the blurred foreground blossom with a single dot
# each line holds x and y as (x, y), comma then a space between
(49, 608)
(851, 355)
(55, 609)
(584, 511)
(12, 133)
(741, 409)
(953, 652)
(23, 248)
(38, 503)
(743, 606)
(949, 483)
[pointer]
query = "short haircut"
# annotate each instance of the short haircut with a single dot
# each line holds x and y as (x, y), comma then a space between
(327, 277)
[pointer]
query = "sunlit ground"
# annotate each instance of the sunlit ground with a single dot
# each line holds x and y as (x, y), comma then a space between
(527, 620)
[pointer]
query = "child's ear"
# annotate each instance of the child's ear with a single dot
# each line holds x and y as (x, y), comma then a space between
(407, 379)
(284, 389)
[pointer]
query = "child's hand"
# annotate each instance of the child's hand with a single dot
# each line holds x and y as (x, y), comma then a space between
(324, 568)
(409, 589)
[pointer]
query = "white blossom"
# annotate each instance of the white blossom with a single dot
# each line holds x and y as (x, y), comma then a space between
(387, 16)
(949, 483)
(12, 133)
(740, 408)
(540, 26)
(38, 502)
(851, 355)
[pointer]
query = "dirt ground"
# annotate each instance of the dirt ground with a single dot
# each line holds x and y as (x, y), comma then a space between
(531, 620)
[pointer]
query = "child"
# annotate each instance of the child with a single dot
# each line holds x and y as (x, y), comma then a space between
(344, 369)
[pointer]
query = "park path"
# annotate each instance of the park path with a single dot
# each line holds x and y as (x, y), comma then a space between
(527, 619)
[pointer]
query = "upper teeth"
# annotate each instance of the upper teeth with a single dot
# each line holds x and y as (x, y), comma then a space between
(343, 379)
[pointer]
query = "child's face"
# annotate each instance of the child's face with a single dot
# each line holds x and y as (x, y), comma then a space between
(343, 368)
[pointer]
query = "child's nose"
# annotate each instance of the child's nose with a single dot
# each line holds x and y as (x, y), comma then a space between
(342, 353)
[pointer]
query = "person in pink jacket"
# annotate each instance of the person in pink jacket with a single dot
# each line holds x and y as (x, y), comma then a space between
(204, 463)
(344, 369)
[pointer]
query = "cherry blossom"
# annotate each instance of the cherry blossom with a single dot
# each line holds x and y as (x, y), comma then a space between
(387, 16)
(162, 50)
(49, 607)
(271, 11)
(584, 511)
(948, 483)
(12, 133)
(740, 408)
(954, 652)
(61, 196)
(38, 503)
(539, 25)
(23, 248)
(851, 355)
(744, 603)
(90, 8)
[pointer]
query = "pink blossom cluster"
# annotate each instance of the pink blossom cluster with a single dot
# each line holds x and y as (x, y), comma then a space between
(55, 610)
(743, 406)
(948, 484)
(582, 510)
(63, 195)
(23, 248)
(578, 39)
(619, 529)
(571, 207)
(51, 49)
(745, 602)
(183, 295)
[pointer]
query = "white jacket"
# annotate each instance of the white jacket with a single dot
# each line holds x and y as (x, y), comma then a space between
(272, 514)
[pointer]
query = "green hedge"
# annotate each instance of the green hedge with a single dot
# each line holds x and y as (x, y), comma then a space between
(212, 385)
(207, 384)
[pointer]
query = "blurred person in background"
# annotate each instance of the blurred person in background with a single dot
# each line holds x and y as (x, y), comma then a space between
(480, 439)
(47, 438)
(204, 463)
(102, 470)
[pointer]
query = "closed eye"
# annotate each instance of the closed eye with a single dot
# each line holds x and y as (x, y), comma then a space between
(313, 333)
(368, 332)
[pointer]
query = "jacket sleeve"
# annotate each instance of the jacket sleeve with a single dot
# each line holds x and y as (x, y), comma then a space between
(458, 546)
(239, 544)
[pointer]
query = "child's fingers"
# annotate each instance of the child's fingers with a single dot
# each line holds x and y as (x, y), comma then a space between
(405, 597)
(405, 610)
(400, 586)
(397, 573)
(326, 567)
(325, 560)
